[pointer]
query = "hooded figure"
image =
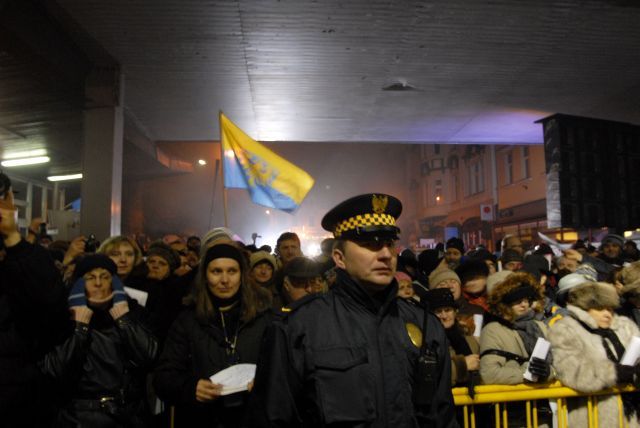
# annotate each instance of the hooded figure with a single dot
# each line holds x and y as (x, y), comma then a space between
(587, 346)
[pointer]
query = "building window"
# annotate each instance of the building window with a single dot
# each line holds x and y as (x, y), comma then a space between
(508, 168)
(438, 192)
(425, 153)
(476, 178)
(436, 149)
(525, 162)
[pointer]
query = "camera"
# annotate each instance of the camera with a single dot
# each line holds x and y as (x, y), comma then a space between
(5, 184)
(91, 244)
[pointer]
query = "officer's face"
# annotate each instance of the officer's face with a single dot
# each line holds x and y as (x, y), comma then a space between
(370, 263)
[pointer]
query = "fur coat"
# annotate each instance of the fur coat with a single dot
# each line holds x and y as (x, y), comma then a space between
(581, 363)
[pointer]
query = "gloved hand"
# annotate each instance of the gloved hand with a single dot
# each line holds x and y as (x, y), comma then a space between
(77, 297)
(625, 374)
(540, 368)
(119, 295)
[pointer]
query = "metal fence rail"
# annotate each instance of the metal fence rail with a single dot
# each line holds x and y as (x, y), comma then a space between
(499, 395)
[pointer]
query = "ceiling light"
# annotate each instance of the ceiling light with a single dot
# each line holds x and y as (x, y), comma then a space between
(202, 162)
(25, 161)
(26, 154)
(64, 177)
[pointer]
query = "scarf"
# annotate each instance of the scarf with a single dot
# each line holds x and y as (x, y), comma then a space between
(607, 333)
(457, 340)
(630, 401)
(528, 330)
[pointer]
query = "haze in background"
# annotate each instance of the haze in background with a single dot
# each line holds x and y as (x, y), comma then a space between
(192, 203)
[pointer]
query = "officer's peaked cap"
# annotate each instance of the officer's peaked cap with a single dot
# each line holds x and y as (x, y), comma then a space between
(363, 217)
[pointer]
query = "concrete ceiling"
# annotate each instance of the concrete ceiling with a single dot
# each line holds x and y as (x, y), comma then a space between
(316, 71)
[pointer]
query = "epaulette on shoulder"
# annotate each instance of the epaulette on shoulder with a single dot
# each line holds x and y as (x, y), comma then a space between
(294, 306)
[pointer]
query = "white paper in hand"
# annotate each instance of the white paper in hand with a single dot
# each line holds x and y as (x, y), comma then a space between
(139, 295)
(632, 353)
(235, 378)
(478, 319)
(539, 351)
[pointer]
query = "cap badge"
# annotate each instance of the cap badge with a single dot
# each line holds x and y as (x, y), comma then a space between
(379, 203)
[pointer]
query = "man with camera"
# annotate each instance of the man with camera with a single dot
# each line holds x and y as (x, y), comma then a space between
(356, 356)
(32, 311)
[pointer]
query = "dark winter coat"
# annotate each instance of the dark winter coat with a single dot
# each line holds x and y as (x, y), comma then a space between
(32, 311)
(345, 359)
(196, 350)
(106, 358)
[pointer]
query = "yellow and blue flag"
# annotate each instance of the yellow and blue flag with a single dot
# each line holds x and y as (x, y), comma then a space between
(271, 180)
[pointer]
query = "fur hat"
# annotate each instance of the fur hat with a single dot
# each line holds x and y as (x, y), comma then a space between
(594, 295)
(440, 275)
(514, 281)
(631, 290)
(496, 278)
(631, 273)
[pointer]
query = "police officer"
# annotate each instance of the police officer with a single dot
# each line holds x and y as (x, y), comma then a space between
(356, 356)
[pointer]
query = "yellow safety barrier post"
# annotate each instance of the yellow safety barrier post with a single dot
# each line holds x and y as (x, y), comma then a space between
(500, 395)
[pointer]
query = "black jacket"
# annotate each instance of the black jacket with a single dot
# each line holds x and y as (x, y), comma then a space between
(33, 311)
(106, 358)
(196, 350)
(345, 359)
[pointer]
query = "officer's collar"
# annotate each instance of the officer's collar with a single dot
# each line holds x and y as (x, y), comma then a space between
(376, 304)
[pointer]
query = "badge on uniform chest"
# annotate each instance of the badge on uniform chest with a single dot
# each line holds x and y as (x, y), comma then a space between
(415, 334)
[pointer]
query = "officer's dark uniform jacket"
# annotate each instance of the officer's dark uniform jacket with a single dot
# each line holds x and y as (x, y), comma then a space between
(345, 359)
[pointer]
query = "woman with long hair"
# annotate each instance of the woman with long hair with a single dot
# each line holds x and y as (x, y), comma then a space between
(222, 327)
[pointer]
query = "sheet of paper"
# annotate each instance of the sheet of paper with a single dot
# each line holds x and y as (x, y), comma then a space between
(235, 378)
(478, 319)
(139, 295)
(632, 353)
(539, 351)
(556, 247)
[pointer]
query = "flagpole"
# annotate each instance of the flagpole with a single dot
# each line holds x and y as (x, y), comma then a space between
(224, 187)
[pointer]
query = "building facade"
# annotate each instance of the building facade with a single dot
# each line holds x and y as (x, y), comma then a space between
(476, 192)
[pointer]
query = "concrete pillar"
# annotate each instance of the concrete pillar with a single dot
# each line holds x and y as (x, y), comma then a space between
(101, 190)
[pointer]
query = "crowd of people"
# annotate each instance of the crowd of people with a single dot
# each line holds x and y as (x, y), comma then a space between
(128, 334)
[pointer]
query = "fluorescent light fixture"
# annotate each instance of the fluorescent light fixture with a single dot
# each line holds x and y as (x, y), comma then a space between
(27, 154)
(64, 177)
(25, 161)
(202, 162)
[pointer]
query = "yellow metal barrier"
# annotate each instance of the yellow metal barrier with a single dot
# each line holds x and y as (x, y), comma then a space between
(499, 395)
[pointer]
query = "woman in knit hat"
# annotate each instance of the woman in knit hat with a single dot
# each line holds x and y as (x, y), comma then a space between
(223, 327)
(588, 346)
(446, 278)
(101, 366)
